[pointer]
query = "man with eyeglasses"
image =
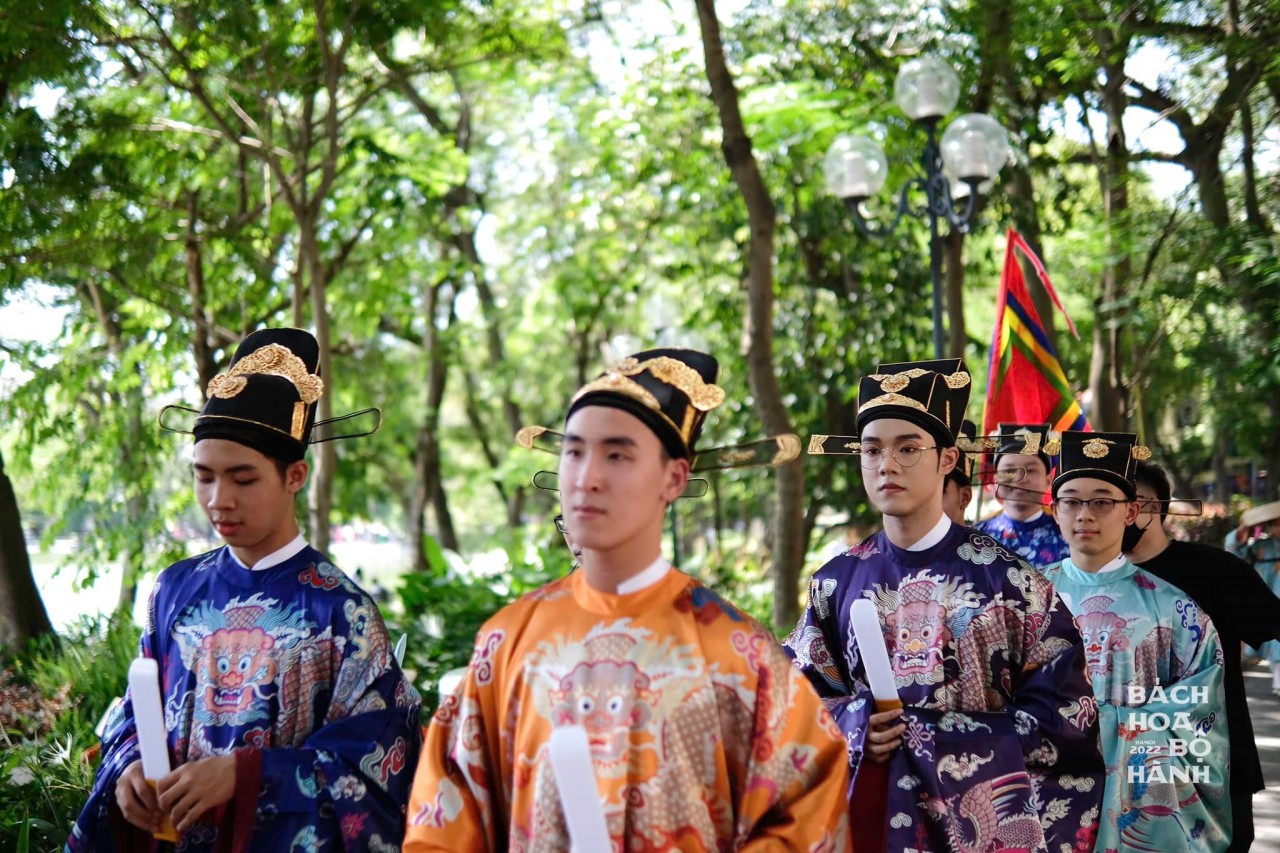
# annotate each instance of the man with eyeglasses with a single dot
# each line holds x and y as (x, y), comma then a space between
(1155, 661)
(1241, 606)
(995, 746)
(1022, 478)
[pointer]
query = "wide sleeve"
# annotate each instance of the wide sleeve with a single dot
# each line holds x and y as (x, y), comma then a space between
(816, 647)
(1170, 748)
(1052, 704)
(348, 783)
(455, 802)
(100, 826)
(794, 795)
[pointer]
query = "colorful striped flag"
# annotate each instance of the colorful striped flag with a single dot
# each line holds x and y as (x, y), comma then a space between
(1025, 382)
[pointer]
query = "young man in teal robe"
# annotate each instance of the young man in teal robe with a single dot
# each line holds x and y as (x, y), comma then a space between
(1154, 659)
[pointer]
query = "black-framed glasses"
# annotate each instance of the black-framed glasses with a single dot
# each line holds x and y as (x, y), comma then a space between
(908, 455)
(1098, 506)
(561, 525)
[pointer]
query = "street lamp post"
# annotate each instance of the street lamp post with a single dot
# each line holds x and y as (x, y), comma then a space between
(970, 153)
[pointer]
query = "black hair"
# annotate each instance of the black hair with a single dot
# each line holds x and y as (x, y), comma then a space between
(1151, 474)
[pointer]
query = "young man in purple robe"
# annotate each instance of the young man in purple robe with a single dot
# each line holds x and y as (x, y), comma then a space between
(289, 724)
(996, 747)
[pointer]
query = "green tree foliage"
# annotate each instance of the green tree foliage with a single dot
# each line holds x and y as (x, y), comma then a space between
(482, 199)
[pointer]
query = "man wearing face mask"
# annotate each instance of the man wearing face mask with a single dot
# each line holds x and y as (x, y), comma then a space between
(1239, 604)
(1154, 658)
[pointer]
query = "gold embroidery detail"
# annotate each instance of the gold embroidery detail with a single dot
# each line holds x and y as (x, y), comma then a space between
(1053, 447)
(892, 400)
(678, 375)
(815, 444)
(733, 457)
(299, 420)
(959, 379)
(1030, 443)
(527, 435)
(788, 448)
(895, 383)
(1096, 448)
(977, 445)
(226, 386)
(853, 445)
(612, 381)
(1141, 452)
(686, 429)
(273, 359)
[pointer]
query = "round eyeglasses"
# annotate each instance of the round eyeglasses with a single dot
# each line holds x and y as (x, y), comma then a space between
(908, 455)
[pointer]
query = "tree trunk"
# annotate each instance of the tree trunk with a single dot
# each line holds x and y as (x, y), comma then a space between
(427, 487)
(1221, 476)
(324, 457)
(22, 613)
(201, 339)
(1106, 367)
(788, 531)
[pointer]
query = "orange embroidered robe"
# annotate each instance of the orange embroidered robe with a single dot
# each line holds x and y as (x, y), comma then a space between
(703, 736)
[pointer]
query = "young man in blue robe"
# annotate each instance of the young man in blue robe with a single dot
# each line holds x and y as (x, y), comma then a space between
(289, 723)
(1154, 659)
(996, 747)
(1021, 480)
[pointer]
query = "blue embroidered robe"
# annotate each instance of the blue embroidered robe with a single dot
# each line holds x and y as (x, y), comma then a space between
(1038, 542)
(1001, 746)
(1157, 672)
(290, 667)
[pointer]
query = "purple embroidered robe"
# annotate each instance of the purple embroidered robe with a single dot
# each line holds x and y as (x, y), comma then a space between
(1001, 746)
(290, 667)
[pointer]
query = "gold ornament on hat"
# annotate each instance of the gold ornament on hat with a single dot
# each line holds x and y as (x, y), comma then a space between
(788, 449)
(896, 382)
(959, 379)
(1141, 452)
(892, 400)
(703, 396)
(1053, 446)
(275, 360)
(527, 435)
(1096, 448)
(226, 386)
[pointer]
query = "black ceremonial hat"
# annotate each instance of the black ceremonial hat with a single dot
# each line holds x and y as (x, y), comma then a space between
(267, 398)
(962, 474)
(1107, 456)
(931, 394)
(670, 390)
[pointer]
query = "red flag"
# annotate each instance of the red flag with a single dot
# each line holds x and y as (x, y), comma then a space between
(1025, 382)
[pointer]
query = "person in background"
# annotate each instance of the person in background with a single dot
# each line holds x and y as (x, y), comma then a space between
(1021, 480)
(1239, 604)
(957, 489)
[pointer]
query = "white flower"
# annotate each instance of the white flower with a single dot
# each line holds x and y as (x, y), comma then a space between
(21, 775)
